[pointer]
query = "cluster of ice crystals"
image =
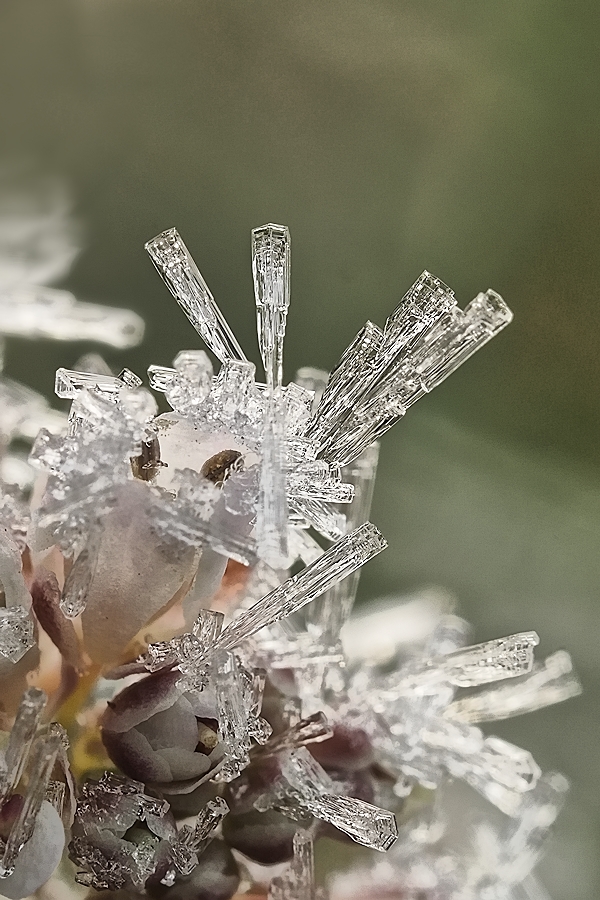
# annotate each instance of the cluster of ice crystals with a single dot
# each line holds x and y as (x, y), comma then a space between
(250, 471)
(25, 774)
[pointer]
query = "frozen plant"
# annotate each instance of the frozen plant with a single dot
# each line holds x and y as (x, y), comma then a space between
(195, 573)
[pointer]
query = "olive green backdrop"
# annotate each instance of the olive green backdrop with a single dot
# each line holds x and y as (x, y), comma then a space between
(391, 136)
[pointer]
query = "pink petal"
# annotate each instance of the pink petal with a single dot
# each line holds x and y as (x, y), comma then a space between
(137, 575)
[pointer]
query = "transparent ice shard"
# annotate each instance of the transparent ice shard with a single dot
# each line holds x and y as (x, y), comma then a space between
(181, 275)
(310, 730)
(43, 756)
(548, 683)
(271, 272)
(304, 784)
(79, 579)
(16, 633)
(343, 558)
(494, 660)
(298, 881)
(24, 730)
(272, 512)
(68, 383)
(33, 311)
(382, 374)
(191, 842)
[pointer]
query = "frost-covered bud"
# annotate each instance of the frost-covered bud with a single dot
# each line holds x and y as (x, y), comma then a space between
(162, 737)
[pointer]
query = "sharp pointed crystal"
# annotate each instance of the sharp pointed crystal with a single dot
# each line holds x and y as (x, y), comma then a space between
(181, 275)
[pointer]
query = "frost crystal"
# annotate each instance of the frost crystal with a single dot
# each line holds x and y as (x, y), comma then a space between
(211, 558)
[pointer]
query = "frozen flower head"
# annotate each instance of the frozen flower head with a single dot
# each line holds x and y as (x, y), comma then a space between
(181, 594)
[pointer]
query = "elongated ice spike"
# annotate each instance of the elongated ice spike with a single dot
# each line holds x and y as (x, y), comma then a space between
(382, 374)
(312, 729)
(191, 842)
(43, 756)
(298, 882)
(68, 384)
(233, 715)
(181, 275)
(42, 312)
(312, 790)
(21, 738)
(16, 633)
(79, 580)
(272, 513)
(343, 558)
(271, 273)
(548, 683)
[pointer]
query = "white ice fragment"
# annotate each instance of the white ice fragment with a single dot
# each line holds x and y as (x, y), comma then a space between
(181, 275)
(271, 272)
(16, 633)
(33, 311)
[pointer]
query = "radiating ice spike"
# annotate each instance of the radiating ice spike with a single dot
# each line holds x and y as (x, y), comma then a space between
(208, 626)
(233, 714)
(271, 273)
(272, 513)
(343, 558)
(78, 582)
(181, 275)
(312, 789)
(44, 752)
(24, 730)
(298, 881)
(548, 683)
(190, 842)
(312, 729)
(494, 660)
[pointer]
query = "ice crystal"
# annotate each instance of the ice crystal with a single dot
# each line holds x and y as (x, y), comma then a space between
(210, 556)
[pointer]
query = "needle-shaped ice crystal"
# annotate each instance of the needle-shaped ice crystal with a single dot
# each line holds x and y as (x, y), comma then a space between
(494, 660)
(548, 683)
(382, 374)
(303, 783)
(272, 512)
(181, 275)
(298, 881)
(343, 558)
(271, 272)
(191, 842)
(24, 730)
(42, 312)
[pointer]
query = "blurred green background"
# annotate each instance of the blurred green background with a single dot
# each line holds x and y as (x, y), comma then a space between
(391, 136)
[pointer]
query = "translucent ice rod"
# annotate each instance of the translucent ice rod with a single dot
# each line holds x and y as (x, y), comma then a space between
(343, 558)
(182, 276)
(23, 732)
(271, 273)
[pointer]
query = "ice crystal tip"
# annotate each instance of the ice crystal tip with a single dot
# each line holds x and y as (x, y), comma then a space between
(271, 272)
(181, 275)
